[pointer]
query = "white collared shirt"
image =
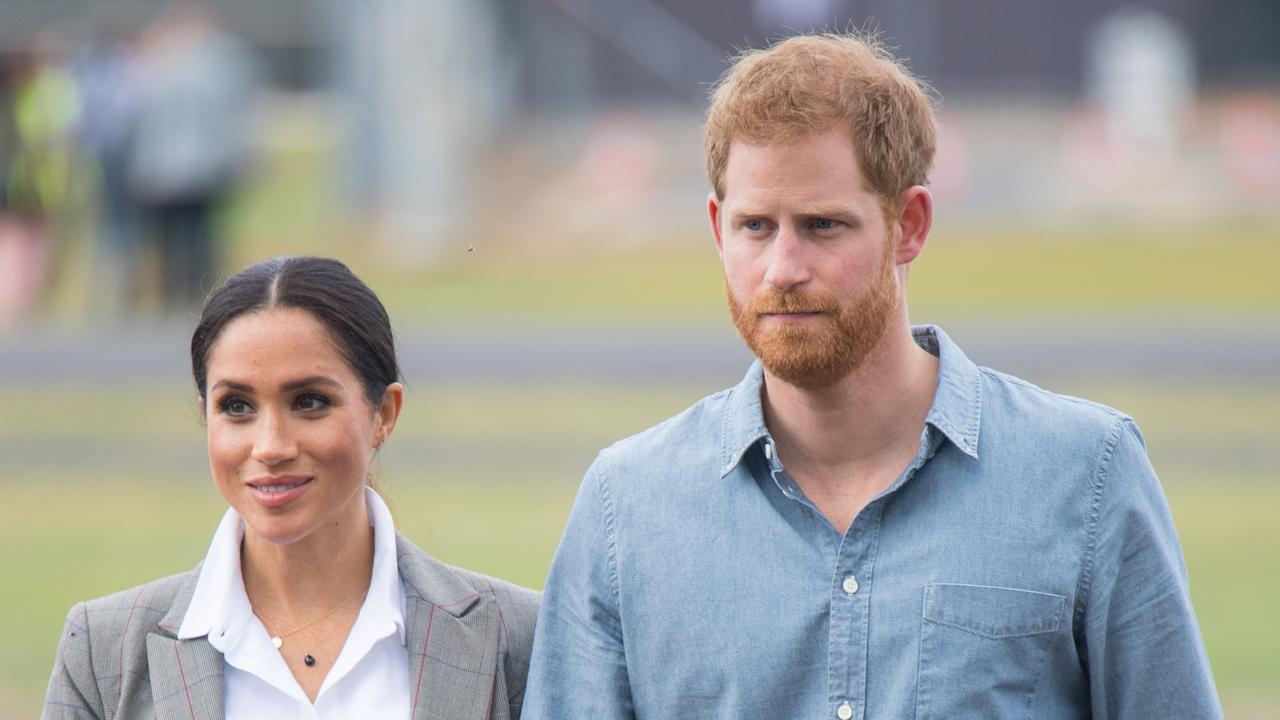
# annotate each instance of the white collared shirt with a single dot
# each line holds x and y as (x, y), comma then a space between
(371, 675)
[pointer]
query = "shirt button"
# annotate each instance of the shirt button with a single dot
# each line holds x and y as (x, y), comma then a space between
(844, 712)
(850, 585)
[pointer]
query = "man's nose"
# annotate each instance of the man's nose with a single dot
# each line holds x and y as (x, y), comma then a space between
(788, 262)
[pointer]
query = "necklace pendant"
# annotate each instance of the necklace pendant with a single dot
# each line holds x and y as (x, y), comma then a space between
(277, 641)
(309, 660)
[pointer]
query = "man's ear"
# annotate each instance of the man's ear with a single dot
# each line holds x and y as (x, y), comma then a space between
(713, 212)
(915, 218)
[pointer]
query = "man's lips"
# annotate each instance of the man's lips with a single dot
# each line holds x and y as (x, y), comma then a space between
(278, 490)
(789, 317)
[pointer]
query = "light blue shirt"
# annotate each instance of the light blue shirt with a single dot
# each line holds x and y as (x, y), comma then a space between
(1023, 565)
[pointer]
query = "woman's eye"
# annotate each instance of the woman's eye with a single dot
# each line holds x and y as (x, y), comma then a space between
(235, 407)
(311, 402)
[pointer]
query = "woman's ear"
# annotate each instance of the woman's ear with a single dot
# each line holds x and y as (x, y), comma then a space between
(388, 411)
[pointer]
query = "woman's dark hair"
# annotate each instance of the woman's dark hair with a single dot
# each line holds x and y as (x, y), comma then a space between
(323, 287)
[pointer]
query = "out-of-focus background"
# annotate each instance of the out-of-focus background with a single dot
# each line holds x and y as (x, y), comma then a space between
(522, 182)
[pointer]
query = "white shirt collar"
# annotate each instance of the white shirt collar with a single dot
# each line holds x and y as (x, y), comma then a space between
(219, 606)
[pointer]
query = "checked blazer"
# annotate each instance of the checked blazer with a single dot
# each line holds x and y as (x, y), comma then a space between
(468, 637)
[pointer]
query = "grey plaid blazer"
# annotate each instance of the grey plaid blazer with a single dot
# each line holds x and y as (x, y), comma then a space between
(468, 636)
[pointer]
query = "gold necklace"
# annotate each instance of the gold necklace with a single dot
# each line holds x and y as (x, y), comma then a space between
(307, 658)
(277, 639)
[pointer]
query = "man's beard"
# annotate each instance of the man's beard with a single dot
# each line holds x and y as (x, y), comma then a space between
(817, 354)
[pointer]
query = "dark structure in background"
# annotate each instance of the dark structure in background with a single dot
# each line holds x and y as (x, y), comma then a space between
(599, 52)
(421, 89)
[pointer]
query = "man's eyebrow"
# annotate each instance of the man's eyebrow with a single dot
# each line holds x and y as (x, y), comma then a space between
(832, 211)
(843, 212)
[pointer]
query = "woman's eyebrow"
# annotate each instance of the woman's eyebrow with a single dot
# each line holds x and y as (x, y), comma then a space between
(308, 381)
(233, 385)
(284, 387)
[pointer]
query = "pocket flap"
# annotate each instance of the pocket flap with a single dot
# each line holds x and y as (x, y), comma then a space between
(993, 612)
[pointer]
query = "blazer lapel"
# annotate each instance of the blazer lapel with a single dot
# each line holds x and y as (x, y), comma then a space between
(453, 634)
(186, 675)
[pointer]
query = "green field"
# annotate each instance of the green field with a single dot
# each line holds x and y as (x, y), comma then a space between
(1208, 268)
(969, 272)
(483, 476)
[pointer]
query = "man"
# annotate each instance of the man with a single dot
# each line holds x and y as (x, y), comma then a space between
(868, 525)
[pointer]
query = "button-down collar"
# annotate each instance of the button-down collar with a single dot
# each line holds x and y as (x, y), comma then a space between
(956, 411)
(957, 403)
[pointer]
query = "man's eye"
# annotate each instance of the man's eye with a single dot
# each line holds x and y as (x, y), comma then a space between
(235, 407)
(824, 224)
(311, 402)
(754, 225)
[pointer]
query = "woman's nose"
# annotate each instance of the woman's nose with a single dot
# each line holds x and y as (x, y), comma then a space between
(274, 443)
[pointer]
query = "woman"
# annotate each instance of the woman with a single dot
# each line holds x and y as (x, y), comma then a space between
(308, 603)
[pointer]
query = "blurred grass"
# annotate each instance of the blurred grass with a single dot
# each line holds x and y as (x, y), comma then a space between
(1230, 542)
(483, 475)
(963, 272)
(1208, 268)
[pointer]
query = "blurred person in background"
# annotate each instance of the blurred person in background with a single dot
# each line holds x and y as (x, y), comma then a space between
(106, 76)
(869, 524)
(13, 241)
(197, 87)
(308, 603)
(40, 107)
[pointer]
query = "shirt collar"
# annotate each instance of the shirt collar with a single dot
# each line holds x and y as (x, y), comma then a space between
(957, 403)
(219, 595)
(743, 423)
(220, 603)
(386, 590)
(956, 411)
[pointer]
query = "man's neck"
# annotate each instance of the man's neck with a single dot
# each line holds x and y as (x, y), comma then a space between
(846, 443)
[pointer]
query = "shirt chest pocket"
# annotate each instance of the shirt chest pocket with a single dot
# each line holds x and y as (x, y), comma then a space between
(982, 650)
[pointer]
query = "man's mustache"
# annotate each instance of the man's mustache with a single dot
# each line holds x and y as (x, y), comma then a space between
(776, 301)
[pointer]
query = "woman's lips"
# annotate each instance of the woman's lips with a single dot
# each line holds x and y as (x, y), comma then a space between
(274, 492)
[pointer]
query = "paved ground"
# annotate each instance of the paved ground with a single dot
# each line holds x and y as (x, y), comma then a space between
(517, 351)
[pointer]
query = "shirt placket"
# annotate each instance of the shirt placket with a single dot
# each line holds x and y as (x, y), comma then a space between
(850, 588)
(850, 593)
(851, 583)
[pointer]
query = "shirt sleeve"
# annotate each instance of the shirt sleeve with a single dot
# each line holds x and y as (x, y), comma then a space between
(1143, 649)
(579, 668)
